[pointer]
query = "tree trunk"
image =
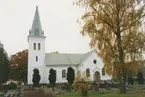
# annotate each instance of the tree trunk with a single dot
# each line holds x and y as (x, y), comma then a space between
(122, 73)
(123, 83)
(122, 69)
(121, 57)
(122, 88)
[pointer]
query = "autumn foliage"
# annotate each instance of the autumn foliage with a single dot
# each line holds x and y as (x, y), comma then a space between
(115, 29)
(81, 84)
(18, 67)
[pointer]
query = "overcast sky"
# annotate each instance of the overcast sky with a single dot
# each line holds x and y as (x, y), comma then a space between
(58, 19)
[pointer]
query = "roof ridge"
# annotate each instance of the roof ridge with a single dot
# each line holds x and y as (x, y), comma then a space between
(73, 53)
(87, 55)
(64, 58)
(66, 53)
(90, 51)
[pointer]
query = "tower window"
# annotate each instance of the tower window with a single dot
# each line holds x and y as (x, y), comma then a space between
(34, 46)
(36, 58)
(39, 46)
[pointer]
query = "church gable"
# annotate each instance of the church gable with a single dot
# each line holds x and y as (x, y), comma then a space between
(94, 64)
(93, 58)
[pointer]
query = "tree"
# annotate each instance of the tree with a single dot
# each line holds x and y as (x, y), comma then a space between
(140, 77)
(52, 77)
(36, 77)
(19, 64)
(114, 27)
(4, 66)
(70, 75)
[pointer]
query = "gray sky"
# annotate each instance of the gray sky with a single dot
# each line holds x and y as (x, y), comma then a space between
(58, 19)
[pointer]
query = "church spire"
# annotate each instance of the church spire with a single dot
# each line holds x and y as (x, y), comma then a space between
(36, 26)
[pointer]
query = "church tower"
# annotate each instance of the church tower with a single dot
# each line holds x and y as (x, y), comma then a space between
(36, 49)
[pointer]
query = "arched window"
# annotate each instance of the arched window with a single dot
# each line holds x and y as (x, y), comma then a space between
(39, 46)
(87, 72)
(36, 58)
(103, 71)
(34, 46)
(64, 73)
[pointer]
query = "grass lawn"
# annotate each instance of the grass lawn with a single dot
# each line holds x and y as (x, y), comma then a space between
(132, 91)
(105, 94)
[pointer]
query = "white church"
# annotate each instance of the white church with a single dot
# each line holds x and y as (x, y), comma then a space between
(37, 58)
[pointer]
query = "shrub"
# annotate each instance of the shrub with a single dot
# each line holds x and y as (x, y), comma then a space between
(66, 87)
(52, 77)
(81, 84)
(49, 86)
(70, 75)
(11, 86)
(36, 77)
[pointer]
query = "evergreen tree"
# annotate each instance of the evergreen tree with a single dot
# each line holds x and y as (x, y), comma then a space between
(70, 75)
(52, 77)
(4, 66)
(36, 77)
(140, 77)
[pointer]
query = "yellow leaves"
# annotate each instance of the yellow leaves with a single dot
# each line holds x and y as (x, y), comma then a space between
(132, 66)
(114, 29)
(81, 83)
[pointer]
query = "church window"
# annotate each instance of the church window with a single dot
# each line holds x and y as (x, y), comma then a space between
(87, 72)
(39, 46)
(63, 73)
(36, 58)
(94, 61)
(103, 71)
(34, 46)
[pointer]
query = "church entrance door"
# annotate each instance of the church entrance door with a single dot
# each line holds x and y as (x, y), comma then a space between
(97, 76)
